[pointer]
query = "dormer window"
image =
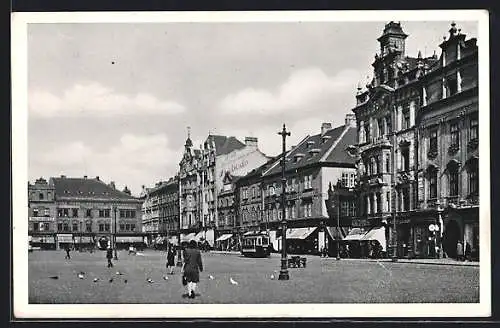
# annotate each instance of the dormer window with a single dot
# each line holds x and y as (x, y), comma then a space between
(314, 151)
(325, 138)
(298, 157)
(310, 143)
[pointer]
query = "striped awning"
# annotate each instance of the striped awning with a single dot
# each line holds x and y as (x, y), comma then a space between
(300, 233)
(83, 240)
(129, 239)
(187, 237)
(224, 237)
(355, 234)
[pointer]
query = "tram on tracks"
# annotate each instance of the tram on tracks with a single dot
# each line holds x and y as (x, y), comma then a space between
(255, 245)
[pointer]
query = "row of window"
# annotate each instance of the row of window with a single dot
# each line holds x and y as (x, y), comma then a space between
(453, 180)
(103, 227)
(102, 213)
(454, 134)
(41, 195)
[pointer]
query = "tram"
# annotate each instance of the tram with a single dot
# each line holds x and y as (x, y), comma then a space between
(255, 245)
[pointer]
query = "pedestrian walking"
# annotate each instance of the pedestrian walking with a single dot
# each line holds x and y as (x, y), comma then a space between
(192, 267)
(171, 259)
(68, 256)
(468, 252)
(460, 251)
(109, 256)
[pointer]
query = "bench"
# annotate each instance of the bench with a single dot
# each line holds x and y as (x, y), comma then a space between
(297, 262)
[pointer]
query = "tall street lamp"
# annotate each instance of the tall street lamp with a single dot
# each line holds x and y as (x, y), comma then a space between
(338, 224)
(114, 233)
(284, 265)
(393, 190)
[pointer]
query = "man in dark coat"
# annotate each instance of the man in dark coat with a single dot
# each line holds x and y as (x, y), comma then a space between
(171, 259)
(109, 256)
(192, 267)
(67, 257)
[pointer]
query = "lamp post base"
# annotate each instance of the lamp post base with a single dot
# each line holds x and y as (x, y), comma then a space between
(338, 258)
(284, 271)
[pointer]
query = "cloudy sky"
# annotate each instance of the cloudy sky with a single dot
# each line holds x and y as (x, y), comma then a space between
(115, 100)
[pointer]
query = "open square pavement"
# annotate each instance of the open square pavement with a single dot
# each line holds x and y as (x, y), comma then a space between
(324, 280)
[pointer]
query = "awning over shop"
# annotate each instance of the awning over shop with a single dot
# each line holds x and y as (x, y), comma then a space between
(377, 234)
(65, 238)
(336, 233)
(83, 240)
(199, 236)
(300, 233)
(250, 233)
(355, 234)
(129, 239)
(43, 239)
(159, 240)
(187, 237)
(224, 237)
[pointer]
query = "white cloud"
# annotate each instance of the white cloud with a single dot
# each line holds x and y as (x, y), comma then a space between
(134, 161)
(303, 90)
(90, 99)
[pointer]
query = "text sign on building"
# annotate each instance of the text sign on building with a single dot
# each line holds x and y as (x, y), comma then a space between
(41, 219)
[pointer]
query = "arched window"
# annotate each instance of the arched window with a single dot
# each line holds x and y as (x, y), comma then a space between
(473, 175)
(432, 174)
(453, 178)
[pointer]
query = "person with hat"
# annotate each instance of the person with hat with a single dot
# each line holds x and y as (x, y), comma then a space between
(109, 256)
(192, 267)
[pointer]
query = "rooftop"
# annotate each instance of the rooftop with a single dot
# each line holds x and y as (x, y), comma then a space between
(327, 148)
(225, 145)
(86, 188)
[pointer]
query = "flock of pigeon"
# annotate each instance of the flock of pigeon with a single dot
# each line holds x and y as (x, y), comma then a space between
(81, 275)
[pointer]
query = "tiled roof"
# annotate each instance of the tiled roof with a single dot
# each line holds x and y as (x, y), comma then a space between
(258, 171)
(314, 148)
(225, 145)
(86, 188)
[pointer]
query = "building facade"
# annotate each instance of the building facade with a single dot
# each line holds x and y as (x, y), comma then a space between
(160, 211)
(396, 114)
(89, 212)
(227, 214)
(42, 212)
(202, 172)
(448, 132)
(310, 167)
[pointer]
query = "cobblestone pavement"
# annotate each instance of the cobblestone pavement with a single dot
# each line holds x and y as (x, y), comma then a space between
(324, 280)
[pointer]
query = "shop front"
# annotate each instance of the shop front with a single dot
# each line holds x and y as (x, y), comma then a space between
(124, 242)
(223, 242)
(64, 241)
(43, 242)
(461, 224)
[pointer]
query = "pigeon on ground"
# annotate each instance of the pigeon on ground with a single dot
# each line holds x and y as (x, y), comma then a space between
(96, 279)
(272, 277)
(233, 281)
(211, 277)
(150, 280)
(165, 277)
(119, 273)
(125, 281)
(54, 277)
(111, 280)
(81, 275)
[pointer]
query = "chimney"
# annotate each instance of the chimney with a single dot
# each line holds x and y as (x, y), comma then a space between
(126, 190)
(112, 184)
(251, 142)
(97, 178)
(350, 120)
(325, 127)
(85, 177)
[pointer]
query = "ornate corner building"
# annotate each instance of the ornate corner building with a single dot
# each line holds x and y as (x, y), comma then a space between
(417, 145)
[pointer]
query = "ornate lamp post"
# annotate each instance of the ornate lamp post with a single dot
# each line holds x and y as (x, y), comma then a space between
(114, 233)
(284, 265)
(393, 191)
(338, 225)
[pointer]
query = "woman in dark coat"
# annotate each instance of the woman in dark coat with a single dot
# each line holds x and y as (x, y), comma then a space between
(171, 259)
(192, 267)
